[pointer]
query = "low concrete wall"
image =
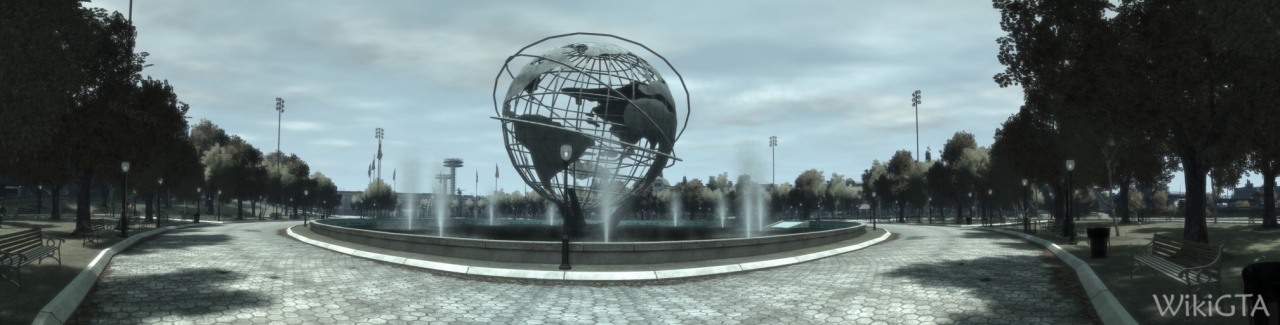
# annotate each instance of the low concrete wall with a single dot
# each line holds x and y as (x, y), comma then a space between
(593, 253)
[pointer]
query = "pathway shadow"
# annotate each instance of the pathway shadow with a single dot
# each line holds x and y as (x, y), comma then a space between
(191, 292)
(1003, 240)
(177, 240)
(1000, 299)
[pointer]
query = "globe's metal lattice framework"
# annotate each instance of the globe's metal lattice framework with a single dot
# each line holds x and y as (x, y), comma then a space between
(620, 146)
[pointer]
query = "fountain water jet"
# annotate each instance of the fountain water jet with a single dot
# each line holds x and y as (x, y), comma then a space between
(675, 207)
(721, 209)
(489, 206)
(552, 211)
(440, 199)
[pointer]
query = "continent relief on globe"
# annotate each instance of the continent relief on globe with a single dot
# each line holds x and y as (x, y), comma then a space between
(636, 110)
(544, 143)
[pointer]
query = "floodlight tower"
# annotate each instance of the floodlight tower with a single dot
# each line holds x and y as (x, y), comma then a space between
(453, 164)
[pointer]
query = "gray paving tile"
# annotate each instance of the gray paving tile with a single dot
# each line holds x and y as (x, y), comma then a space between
(246, 273)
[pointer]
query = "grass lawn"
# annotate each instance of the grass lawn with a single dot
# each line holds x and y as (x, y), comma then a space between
(44, 280)
(1244, 244)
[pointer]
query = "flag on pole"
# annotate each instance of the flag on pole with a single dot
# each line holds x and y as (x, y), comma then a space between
(371, 172)
(477, 176)
(495, 170)
(393, 174)
(379, 150)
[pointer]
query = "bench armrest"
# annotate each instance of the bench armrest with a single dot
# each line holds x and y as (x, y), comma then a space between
(1143, 250)
(50, 241)
(7, 259)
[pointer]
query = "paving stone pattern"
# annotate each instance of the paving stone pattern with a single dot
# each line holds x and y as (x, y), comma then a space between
(249, 274)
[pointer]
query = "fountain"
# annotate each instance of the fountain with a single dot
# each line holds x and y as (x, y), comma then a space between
(619, 119)
(674, 202)
(489, 207)
(552, 211)
(440, 200)
(722, 209)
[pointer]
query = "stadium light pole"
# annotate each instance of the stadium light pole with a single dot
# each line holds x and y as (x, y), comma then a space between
(773, 145)
(279, 155)
(915, 102)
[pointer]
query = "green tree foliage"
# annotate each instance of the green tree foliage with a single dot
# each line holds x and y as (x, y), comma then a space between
(326, 192)
(1179, 73)
(378, 194)
(900, 170)
(234, 169)
(809, 192)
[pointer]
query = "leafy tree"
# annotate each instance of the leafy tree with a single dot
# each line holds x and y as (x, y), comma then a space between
(900, 170)
(809, 190)
(235, 170)
(378, 194)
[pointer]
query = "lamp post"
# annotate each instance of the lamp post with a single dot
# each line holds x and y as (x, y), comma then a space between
(218, 206)
(773, 146)
(566, 152)
(874, 207)
(1069, 225)
(968, 220)
(1026, 219)
(199, 205)
(928, 209)
(160, 184)
(279, 155)
(986, 207)
(124, 214)
(304, 211)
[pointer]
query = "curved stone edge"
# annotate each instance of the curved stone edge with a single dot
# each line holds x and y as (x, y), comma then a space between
(65, 303)
(589, 276)
(1104, 303)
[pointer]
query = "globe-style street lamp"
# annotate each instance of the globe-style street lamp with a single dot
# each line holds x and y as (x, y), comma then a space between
(124, 214)
(566, 152)
(199, 205)
(987, 207)
(968, 220)
(159, 184)
(1069, 225)
(875, 206)
(218, 206)
(1026, 218)
(304, 211)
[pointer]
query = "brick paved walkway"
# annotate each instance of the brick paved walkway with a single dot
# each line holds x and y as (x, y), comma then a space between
(249, 274)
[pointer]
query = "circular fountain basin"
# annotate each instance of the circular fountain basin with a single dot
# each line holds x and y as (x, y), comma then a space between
(389, 234)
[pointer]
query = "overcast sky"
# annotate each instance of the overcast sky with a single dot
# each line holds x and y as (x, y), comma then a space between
(831, 79)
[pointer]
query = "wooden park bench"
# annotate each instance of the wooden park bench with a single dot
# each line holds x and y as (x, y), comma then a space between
(24, 247)
(97, 232)
(1191, 263)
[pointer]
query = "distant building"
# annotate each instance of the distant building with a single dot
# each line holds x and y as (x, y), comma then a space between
(1250, 194)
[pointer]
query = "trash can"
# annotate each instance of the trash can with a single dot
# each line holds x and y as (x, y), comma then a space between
(1263, 281)
(1098, 237)
(196, 216)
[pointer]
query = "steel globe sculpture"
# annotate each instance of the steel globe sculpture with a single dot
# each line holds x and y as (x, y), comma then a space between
(611, 106)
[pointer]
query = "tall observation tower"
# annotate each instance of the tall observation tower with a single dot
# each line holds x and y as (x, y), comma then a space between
(453, 164)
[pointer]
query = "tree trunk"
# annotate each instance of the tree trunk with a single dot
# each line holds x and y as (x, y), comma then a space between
(1269, 196)
(1121, 201)
(1194, 226)
(253, 209)
(83, 202)
(39, 199)
(151, 202)
(55, 203)
(902, 211)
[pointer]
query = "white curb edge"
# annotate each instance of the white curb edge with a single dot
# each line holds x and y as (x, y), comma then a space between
(65, 303)
(589, 276)
(1104, 303)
